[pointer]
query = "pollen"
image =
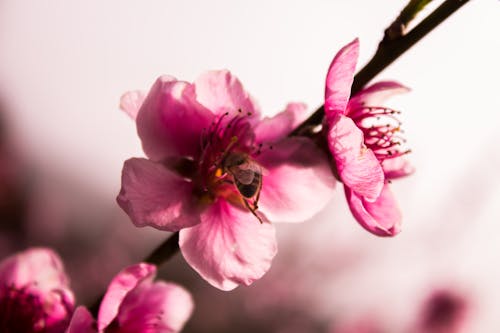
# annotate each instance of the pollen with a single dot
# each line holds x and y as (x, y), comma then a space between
(218, 172)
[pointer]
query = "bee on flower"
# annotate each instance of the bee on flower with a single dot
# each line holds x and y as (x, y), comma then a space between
(220, 174)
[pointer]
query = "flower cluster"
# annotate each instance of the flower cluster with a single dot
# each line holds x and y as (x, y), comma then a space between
(35, 297)
(219, 174)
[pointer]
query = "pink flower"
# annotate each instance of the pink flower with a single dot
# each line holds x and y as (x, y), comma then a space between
(219, 173)
(134, 303)
(365, 140)
(34, 293)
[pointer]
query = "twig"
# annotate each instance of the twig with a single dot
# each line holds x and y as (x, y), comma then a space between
(387, 52)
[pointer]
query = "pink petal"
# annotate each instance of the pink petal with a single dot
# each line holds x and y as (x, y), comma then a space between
(153, 308)
(339, 79)
(376, 94)
(272, 129)
(170, 121)
(382, 217)
(82, 322)
(131, 101)
(297, 182)
(153, 195)
(36, 266)
(358, 167)
(397, 167)
(122, 284)
(229, 247)
(221, 92)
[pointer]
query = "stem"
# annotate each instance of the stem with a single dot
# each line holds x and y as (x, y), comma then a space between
(387, 52)
(398, 27)
(165, 251)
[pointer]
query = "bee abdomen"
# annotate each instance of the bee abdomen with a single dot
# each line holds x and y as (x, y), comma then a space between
(249, 190)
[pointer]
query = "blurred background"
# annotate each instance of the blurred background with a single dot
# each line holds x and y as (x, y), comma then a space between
(64, 66)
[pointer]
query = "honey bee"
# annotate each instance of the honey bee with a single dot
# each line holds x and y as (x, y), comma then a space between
(247, 176)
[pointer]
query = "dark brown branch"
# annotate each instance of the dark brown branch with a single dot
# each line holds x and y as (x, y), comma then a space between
(398, 27)
(165, 251)
(387, 52)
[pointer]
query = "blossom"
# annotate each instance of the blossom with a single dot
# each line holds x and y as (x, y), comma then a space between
(134, 303)
(445, 311)
(34, 293)
(219, 173)
(365, 140)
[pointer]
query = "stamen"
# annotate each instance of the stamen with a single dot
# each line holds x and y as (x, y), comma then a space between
(381, 129)
(217, 126)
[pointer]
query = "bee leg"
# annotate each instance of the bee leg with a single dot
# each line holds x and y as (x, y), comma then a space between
(253, 210)
(256, 201)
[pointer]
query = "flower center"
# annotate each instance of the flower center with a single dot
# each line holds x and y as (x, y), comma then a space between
(21, 311)
(228, 145)
(382, 131)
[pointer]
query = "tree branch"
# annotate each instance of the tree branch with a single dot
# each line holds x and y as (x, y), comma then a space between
(387, 52)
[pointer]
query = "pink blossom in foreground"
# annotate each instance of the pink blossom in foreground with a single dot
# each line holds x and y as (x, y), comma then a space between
(365, 140)
(219, 173)
(34, 293)
(134, 303)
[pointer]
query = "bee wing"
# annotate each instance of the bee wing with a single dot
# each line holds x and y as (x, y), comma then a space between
(246, 172)
(257, 168)
(244, 176)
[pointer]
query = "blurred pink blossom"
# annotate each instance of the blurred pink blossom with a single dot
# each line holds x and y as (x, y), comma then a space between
(219, 173)
(34, 293)
(445, 311)
(134, 303)
(365, 140)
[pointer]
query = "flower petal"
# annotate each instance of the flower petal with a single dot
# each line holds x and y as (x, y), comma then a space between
(272, 129)
(221, 92)
(122, 284)
(153, 195)
(397, 167)
(40, 267)
(382, 217)
(298, 181)
(229, 247)
(376, 94)
(339, 79)
(82, 322)
(131, 102)
(154, 308)
(357, 165)
(170, 121)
